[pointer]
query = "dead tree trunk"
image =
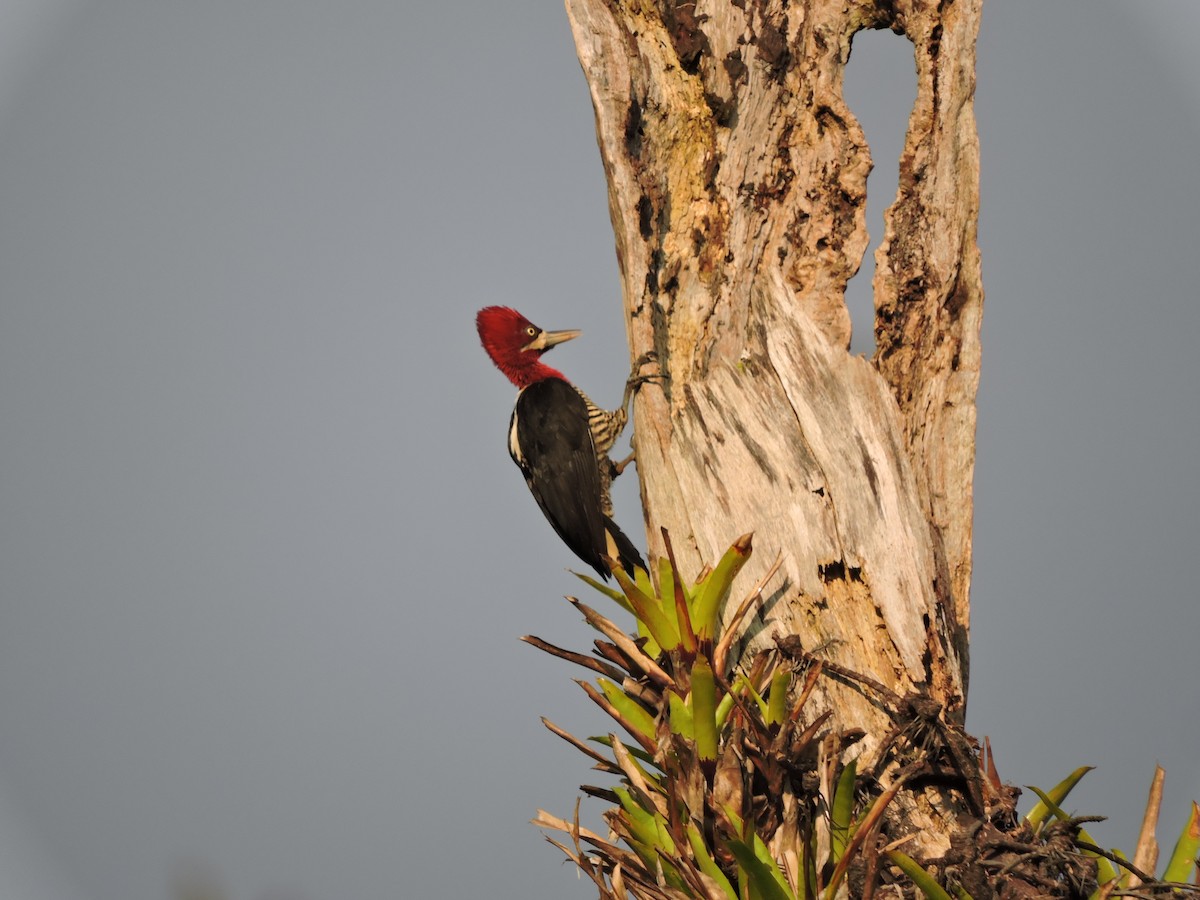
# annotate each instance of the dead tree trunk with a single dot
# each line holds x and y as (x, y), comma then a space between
(737, 190)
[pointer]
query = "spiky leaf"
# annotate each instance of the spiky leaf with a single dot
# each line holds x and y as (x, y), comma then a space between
(651, 612)
(922, 879)
(629, 748)
(723, 710)
(763, 875)
(1105, 871)
(704, 709)
(843, 809)
(682, 721)
(743, 684)
(714, 591)
(612, 593)
(632, 713)
(647, 826)
(1055, 796)
(705, 862)
(781, 682)
(1183, 857)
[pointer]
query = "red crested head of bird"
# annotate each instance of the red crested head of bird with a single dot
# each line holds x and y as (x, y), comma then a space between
(516, 345)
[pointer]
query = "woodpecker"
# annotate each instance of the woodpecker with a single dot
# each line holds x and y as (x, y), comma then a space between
(560, 439)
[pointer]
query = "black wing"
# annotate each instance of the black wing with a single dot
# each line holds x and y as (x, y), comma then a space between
(550, 440)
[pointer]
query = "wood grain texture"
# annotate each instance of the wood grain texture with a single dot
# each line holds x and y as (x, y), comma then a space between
(737, 190)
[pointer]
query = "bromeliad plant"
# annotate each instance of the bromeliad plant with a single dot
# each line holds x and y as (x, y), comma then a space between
(1117, 874)
(728, 787)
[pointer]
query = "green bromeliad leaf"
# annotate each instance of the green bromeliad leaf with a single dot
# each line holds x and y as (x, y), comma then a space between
(650, 611)
(633, 712)
(705, 861)
(742, 683)
(1183, 857)
(922, 879)
(723, 710)
(762, 876)
(682, 722)
(843, 809)
(781, 682)
(641, 754)
(651, 838)
(1054, 796)
(704, 709)
(712, 593)
(612, 593)
(647, 826)
(1105, 870)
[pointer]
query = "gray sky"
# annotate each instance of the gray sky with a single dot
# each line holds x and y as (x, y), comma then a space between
(263, 557)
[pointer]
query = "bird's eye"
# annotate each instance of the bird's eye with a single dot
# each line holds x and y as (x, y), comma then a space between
(531, 331)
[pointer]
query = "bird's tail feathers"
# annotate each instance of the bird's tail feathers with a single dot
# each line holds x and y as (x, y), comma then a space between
(621, 549)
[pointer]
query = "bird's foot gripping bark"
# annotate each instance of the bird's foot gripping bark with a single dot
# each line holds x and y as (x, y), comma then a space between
(619, 467)
(632, 385)
(635, 381)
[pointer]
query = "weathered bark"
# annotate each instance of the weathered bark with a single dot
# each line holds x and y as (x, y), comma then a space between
(737, 190)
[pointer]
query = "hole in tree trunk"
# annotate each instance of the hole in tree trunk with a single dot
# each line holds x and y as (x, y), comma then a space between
(880, 89)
